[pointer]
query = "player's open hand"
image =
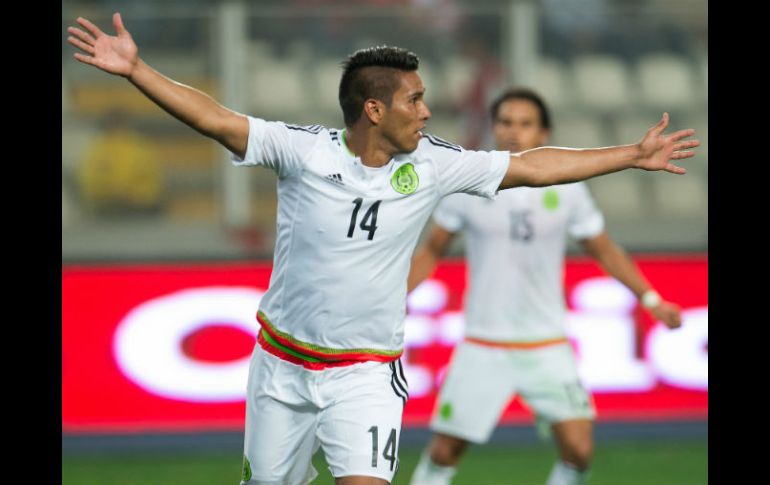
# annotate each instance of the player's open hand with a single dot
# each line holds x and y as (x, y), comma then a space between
(113, 54)
(668, 313)
(657, 150)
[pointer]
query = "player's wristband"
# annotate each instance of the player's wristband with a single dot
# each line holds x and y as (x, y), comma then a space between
(650, 299)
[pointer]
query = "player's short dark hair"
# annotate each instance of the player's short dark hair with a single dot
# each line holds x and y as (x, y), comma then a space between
(372, 73)
(528, 95)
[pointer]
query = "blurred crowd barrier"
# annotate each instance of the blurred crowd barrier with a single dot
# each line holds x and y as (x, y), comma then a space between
(138, 185)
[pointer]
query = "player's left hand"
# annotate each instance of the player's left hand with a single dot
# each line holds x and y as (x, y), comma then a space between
(656, 150)
(668, 313)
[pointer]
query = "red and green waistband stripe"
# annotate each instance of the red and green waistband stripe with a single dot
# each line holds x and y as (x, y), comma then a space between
(308, 351)
(277, 350)
(518, 345)
(270, 341)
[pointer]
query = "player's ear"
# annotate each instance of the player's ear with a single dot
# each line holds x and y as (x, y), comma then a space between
(373, 109)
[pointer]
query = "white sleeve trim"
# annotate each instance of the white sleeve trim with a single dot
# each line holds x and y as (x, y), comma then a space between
(253, 154)
(589, 228)
(499, 167)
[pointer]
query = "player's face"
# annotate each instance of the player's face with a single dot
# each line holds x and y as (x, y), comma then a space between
(518, 127)
(405, 118)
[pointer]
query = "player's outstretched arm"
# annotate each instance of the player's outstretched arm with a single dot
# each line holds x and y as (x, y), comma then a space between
(119, 55)
(427, 255)
(614, 260)
(550, 165)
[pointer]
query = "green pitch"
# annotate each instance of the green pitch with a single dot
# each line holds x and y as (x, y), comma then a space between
(627, 463)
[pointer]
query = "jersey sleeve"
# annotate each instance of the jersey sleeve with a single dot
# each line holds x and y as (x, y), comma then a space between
(469, 171)
(275, 145)
(450, 213)
(585, 219)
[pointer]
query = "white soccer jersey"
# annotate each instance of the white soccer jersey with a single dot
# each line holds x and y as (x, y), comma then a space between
(515, 247)
(346, 234)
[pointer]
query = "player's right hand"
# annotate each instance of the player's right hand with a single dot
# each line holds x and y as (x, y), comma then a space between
(656, 150)
(113, 54)
(668, 313)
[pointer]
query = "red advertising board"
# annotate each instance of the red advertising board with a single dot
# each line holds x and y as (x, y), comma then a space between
(155, 348)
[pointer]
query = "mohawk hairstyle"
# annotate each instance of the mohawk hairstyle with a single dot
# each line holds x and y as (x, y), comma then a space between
(372, 73)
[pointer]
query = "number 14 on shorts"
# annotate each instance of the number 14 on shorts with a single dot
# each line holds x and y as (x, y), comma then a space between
(389, 453)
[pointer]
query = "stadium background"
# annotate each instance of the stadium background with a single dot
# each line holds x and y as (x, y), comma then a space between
(607, 68)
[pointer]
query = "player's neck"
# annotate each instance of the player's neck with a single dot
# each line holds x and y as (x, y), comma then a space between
(369, 148)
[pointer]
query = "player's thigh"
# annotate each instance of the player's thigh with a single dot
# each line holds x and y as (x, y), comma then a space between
(475, 391)
(548, 381)
(280, 435)
(360, 431)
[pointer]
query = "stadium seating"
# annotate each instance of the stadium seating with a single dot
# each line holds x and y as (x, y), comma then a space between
(680, 196)
(276, 88)
(596, 99)
(78, 136)
(66, 104)
(431, 79)
(667, 81)
(620, 196)
(68, 208)
(457, 75)
(552, 80)
(699, 121)
(602, 82)
(326, 75)
(579, 131)
(630, 128)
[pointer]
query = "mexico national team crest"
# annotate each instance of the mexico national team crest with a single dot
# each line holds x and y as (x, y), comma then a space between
(551, 199)
(246, 475)
(405, 180)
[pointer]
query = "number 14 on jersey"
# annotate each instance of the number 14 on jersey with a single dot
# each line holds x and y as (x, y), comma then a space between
(368, 222)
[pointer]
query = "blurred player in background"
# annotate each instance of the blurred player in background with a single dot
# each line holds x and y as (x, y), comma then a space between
(515, 338)
(351, 206)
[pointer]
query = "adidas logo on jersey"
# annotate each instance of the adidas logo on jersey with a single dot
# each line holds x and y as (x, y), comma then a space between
(335, 178)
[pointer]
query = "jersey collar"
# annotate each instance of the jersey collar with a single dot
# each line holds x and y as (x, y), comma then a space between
(345, 143)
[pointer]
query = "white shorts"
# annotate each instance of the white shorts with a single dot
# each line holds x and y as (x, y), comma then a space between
(352, 413)
(482, 380)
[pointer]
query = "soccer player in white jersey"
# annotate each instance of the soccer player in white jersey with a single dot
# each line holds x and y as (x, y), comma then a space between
(515, 340)
(351, 205)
